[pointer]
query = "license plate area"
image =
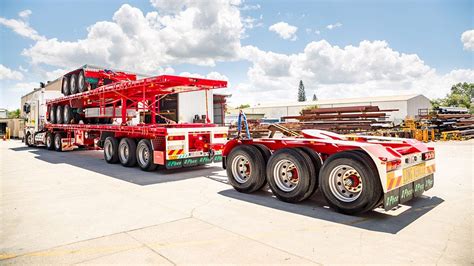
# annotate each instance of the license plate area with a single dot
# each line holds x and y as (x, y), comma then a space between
(413, 173)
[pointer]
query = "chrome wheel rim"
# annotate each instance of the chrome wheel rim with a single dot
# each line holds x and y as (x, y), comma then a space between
(65, 115)
(241, 169)
(285, 174)
(65, 86)
(48, 140)
(345, 183)
(81, 82)
(73, 84)
(124, 152)
(108, 150)
(57, 142)
(58, 115)
(143, 154)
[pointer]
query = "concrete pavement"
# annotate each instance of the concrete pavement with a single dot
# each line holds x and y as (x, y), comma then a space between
(72, 208)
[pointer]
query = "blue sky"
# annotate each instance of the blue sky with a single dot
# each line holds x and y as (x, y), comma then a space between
(429, 30)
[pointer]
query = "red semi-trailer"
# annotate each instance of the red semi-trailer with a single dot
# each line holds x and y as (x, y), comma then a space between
(123, 117)
(355, 173)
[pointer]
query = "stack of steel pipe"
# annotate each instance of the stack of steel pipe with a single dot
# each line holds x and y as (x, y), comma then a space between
(341, 119)
(445, 119)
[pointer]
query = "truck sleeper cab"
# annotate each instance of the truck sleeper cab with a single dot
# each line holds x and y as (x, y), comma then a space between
(355, 174)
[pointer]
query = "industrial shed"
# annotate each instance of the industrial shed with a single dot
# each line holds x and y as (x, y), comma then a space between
(407, 105)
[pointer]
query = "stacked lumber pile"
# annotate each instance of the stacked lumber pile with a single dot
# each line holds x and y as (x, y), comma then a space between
(341, 119)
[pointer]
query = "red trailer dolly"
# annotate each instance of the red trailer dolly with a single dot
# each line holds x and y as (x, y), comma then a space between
(355, 174)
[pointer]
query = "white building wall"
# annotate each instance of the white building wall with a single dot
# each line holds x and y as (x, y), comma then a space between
(194, 103)
(418, 102)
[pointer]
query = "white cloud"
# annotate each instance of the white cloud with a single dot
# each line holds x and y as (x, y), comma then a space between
(7, 73)
(371, 68)
(250, 7)
(467, 39)
(24, 86)
(25, 14)
(194, 32)
(333, 26)
(284, 30)
(52, 75)
(21, 26)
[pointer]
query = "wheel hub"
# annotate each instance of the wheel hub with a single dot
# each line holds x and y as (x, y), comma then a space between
(241, 170)
(285, 175)
(345, 183)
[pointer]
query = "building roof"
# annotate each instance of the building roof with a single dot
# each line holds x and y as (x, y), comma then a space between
(341, 101)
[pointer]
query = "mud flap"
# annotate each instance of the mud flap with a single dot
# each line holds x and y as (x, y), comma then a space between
(407, 192)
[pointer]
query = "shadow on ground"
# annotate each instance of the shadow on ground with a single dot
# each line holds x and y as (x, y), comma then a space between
(377, 220)
(94, 161)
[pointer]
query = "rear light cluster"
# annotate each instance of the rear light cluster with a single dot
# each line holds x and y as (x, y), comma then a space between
(428, 155)
(220, 136)
(198, 142)
(171, 138)
(392, 165)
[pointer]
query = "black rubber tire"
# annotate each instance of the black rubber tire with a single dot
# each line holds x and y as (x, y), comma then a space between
(111, 150)
(49, 141)
(81, 82)
(67, 114)
(73, 84)
(28, 141)
(65, 86)
(372, 189)
(59, 115)
(257, 168)
(145, 164)
(57, 141)
(317, 162)
(312, 171)
(301, 161)
(131, 146)
(366, 159)
(52, 115)
(266, 153)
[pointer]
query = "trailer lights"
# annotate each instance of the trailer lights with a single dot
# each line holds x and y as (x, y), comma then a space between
(172, 138)
(220, 136)
(428, 155)
(392, 165)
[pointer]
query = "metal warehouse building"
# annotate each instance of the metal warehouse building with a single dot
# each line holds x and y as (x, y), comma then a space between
(407, 105)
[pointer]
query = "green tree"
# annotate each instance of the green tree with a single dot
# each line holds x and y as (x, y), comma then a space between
(243, 106)
(461, 95)
(301, 92)
(315, 98)
(14, 113)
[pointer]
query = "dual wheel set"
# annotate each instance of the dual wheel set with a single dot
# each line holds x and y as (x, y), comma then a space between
(63, 114)
(129, 152)
(348, 180)
(74, 83)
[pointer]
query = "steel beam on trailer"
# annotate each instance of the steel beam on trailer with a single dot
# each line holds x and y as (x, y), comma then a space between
(159, 85)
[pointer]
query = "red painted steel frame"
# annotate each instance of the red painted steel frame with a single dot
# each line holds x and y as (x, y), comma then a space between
(141, 94)
(386, 151)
